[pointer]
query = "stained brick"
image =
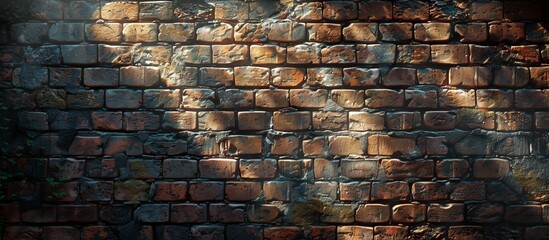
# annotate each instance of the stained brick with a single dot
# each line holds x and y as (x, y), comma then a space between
(287, 76)
(403, 120)
(346, 145)
(411, 10)
(291, 121)
(375, 10)
(361, 32)
(388, 145)
(413, 54)
(267, 54)
(215, 33)
(409, 213)
(471, 32)
(376, 53)
(383, 98)
(242, 191)
(354, 191)
(396, 32)
(284, 145)
(449, 54)
(272, 98)
(506, 32)
(242, 145)
(356, 77)
(216, 120)
(396, 190)
(324, 32)
(359, 168)
(373, 213)
(287, 31)
(453, 212)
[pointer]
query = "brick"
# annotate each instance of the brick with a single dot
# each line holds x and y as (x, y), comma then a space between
(144, 169)
(409, 213)
(325, 169)
(432, 32)
(229, 54)
(490, 168)
(162, 10)
(188, 213)
(396, 32)
(287, 76)
(216, 121)
(305, 98)
(484, 213)
(214, 77)
(376, 53)
(207, 231)
(291, 121)
(179, 168)
(136, 121)
(348, 98)
(280, 233)
(29, 33)
(513, 121)
(242, 145)
(465, 232)
(215, 33)
(66, 32)
(375, 10)
(86, 145)
(531, 99)
(308, 53)
(397, 169)
(466, 191)
(324, 32)
(176, 32)
(396, 190)
(506, 32)
(253, 121)
(104, 32)
(361, 32)
(226, 213)
(33, 120)
(452, 212)
(101, 77)
(541, 120)
(484, 54)
(91, 232)
(251, 76)
(383, 98)
(258, 168)
(131, 190)
(413, 54)
(96, 191)
(43, 214)
(242, 191)
(81, 10)
(206, 191)
(403, 120)
(338, 54)
(373, 213)
(140, 32)
(340, 11)
(55, 232)
(123, 99)
(429, 191)
(537, 32)
(179, 120)
(523, 55)
(388, 145)
(517, 10)
(122, 11)
(314, 146)
(251, 32)
(233, 232)
(235, 98)
(364, 121)
(411, 11)
(421, 99)
(139, 76)
(152, 55)
(399, 76)
(157, 98)
(291, 168)
(77, 213)
(326, 77)
(30, 77)
(79, 54)
(272, 98)
(452, 168)
(127, 145)
(284, 145)
(390, 232)
(217, 168)
(267, 54)
(539, 76)
(278, 31)
(307, 11)
(115, 213)
(456, 98)
(471, 32)
(339, 213)
(449, 54)
(276, 190)
(357, 77)
(494, 98)
(432, 76)
(487, 11)
(354, 232)
(330, 120)
(439, 120)
(193, 54)
(354, 191)
(359, 169)
(536, 232)
(62, 77)
(231, 10)
(346, 145)
(114, 54)
(198, 98)
(323, 232)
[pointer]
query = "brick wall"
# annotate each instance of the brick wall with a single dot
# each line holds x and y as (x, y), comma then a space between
(274, 119)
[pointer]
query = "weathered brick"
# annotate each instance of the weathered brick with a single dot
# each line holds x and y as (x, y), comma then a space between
(234, 232)
(101, 77)
(54, 232)
(30, 77)
(453, 212)
(439, 120)
(287, 31)
(494, 98)
(140, 32)
(346, 145)
(179, 120)
(522, 55)
(330, 120)
(388, 145)
(403, 120)
(308, 11)
(487, 11)
(304, 98)
(364, 121)
(157, 98)
(513, 121)
(276, 190)
(242, 145)
(287, 76)
(397, 169)
(81, 10)
(361, 32)
(160, 10)
(213, 77)
(139, 76)
(410, 213)
(467, 191)
(484, 54)
(396, 32)
(120, 11)
(229, 54)
(375, 10)
(396, 190)
(284, 145)
(421, 99)
(242, 191)
(86, 145)
(452, 168)
(176, 32)
(359, 168)
(373, 213)
(272, 98)
(193, 54)
(77, 213)
(216, 120)
(471, 32)
(308, 53)
(253, 121)
(354, 232)
(456, 98)
(127, 145)
(390, 232)
(348, 98)
(484, 213)
(340, 11)
(537, 32)
(198, 98)
(251, 76)
(179, 168)
(114, 54)
(280, 233)
(33, 120)
(136, 121)
(291, 121)
(258, 168)
(206, 191)
(131, 190)
(226, 213)
(144, 169)
(383, 98)
(217, 168)
(324, 32)
(207, 231)
(63, 77)
(325, 169)
(432, 76)
(531, 99)
(432, 32)
(465, 232)
(491, 168)
(357, 77)
(235, 98)
(251, 32)
(449, 54)
(188, 213)
(267, 54)
(354, 191)
(411, 11)
(29, 33)
(16, 232)
(376, 53)
(430, 191)
(399, 76)
(461, 76)
(67, 32)
(413, 54)
(215, 33)
(314, 146)
(338, 54)
(231, 10)
(123, 99)
(506, 32)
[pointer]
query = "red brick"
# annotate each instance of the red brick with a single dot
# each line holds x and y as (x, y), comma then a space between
(376, 53)
(472, 32)
(287, 76)
(139, 76)
(487, 11)
(215, 33)
(348, 98)
(420, 98)
(432, 76)
(383, 98)
(276, 190)
(373, 213)
(330, 120)
(397, 191)
(258, 168)
(216, 120)
(361, 32)
(281, 233)
(206, 191)
(324, 32)
(284, 145)
(456, 98)
(340, 11)
(179, 120)
(537, 32)
(507, 32)
(213, 76)
(439, 120)
(494, 98)
(272, 98)
(128, 11)
(411, 10)
(304, 53)
(338, 213)
(465, 232)
(126, 145)
(485, 54)
(452, 212)
(364, 168)
(267, 54)
(250, 32)
(325, 77)
(231, 11)
(227, 213)
(94, 232)
(452, 168)
(354, 191)
(217, 168)
(291, 168)
(346, 145)
(250, 76)
(229, 54)
(101, 77)
(242, 145)
(170, 191)
(188, 213)
(235, 99)
(491, 168)
(314, 146)
(287, 31)
(432, 32)
(212, 232)
(264, 213)
(484, 213)
(397, 169)
(60, 232)
(409, 213)
(531, 99)
(523, 55)
(325, 169)
(403, 120)
(429, 191)
(323, 232)
(291, 121)
(364, 121)
(390, 232)
(354, 232)
(357, 77)
(449, 54)
(400, 77)
(396, 32)
(43, 214)
(413, 54)
(513, 121)
(539, 77)
(136, 121)
(467, 191)
(176, 32)
(375, 10)
(338, 54)
(389, 145)
(253, 121)
(461, 76)
(472, 119)
(542, 120)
